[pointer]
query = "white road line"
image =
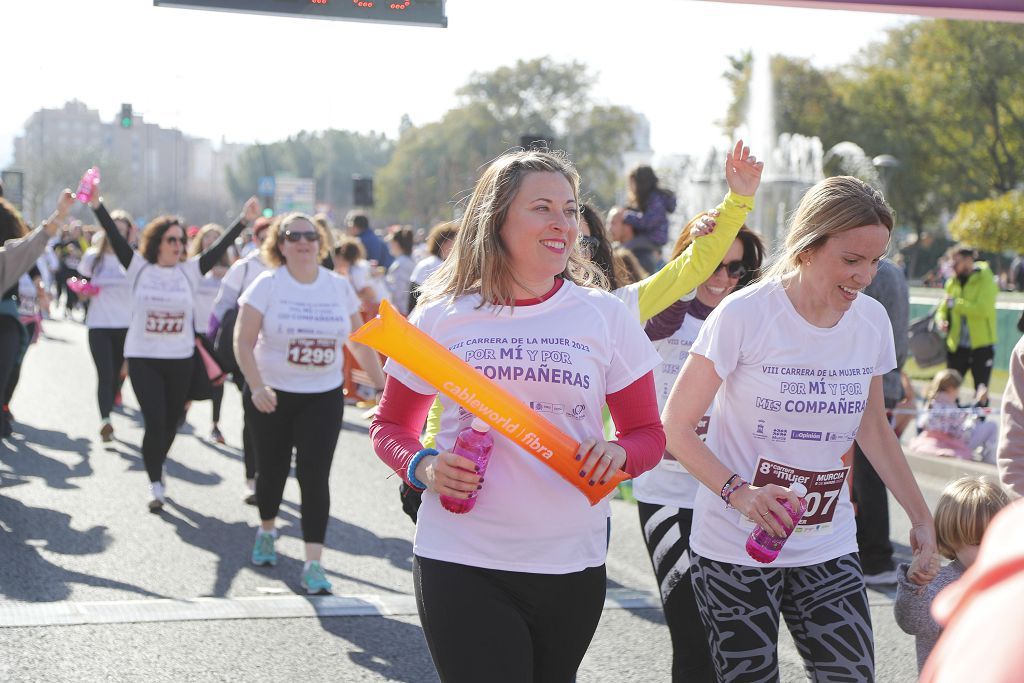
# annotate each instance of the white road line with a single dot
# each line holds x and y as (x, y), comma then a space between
(70, 613)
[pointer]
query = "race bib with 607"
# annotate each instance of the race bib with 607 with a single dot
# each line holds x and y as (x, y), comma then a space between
(823, 491)
(312, 352)
(165, 322)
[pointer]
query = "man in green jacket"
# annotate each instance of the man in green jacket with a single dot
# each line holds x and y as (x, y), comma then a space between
(968, 317)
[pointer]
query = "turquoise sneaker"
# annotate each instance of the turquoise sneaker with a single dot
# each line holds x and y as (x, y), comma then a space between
(315, 581)
(263, 552)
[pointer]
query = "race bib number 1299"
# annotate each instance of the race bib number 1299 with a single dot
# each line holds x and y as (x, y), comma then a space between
(312, 352)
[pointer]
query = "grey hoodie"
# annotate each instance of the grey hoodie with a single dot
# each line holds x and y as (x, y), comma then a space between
(17, 256)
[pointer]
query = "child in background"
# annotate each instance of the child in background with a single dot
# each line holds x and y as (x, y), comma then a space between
(951, 430)
(964, 510)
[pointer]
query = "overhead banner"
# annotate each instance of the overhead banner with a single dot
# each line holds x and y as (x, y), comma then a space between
(978, 10)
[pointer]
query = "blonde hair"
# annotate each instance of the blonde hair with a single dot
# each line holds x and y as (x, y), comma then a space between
(270, 250)
(479, 260)
(831, 207)
(964, 510)
(944, 379)
(195, 247)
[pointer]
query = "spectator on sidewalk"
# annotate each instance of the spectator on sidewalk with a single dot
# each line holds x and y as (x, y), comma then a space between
(1010, 453)
(647, 215)
(952, 430)
(359, 226)
(968, 316)
(889, 288)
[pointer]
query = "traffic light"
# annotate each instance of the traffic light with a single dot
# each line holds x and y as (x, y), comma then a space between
(126, 116)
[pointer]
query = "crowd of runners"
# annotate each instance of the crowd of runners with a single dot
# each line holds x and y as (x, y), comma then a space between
(715, 378)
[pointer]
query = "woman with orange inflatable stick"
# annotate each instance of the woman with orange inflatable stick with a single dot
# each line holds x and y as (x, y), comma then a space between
(513, 590)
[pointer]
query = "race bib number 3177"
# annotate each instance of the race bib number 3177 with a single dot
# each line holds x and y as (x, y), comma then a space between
(824, 489)
(163, 322)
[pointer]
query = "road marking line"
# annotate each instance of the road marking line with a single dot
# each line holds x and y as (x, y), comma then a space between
(71, 613)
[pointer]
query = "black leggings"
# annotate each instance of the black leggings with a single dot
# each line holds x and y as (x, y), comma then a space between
(10, 348)
(501, 626)
(978, 361)
(248, 449)
(107, 347)
(161, 385)
(309, 423)
(824, 605)
(666, 532)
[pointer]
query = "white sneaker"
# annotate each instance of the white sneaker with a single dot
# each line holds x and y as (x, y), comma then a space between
(886, 578)
(159, 493)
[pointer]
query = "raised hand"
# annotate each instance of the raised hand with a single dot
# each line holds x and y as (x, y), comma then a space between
(742, 170)
(251, 210)
(64, 203)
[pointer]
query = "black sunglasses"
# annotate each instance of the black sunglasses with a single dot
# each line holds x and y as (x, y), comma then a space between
(734, 269)
(309, 235)
(174, 239)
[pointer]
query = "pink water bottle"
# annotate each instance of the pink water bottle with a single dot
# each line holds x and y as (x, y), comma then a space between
(765, 547)
(87, 185)
(474, 442)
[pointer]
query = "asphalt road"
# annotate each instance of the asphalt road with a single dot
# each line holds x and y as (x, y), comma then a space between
(93, 587)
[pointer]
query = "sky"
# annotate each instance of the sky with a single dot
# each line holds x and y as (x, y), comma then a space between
(249, 78)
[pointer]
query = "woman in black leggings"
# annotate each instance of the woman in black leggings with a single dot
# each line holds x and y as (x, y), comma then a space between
(110, 312)
(14, 338)
(161, 337)
(291, 327)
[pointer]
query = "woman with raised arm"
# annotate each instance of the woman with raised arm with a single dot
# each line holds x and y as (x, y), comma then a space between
(108, 316)
(793, 365)
(160, 345)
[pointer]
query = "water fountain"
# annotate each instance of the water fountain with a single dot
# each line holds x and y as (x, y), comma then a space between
(793, 163)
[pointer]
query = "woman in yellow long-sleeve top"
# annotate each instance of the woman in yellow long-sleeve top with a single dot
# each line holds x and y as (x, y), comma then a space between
(681, 276)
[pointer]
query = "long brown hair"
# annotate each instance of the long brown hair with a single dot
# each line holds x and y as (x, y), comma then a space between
(479, 261)
(153, 234)
(12, 225)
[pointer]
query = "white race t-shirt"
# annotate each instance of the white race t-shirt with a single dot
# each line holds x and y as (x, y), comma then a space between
(425, 269)
(243, 273)
(790, 405)
(304, 327)
(162, 324)
(561, 357)
(112, 307)
(669, 483)
(209, 285)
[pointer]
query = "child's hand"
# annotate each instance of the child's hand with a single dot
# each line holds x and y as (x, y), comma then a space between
(922, 570)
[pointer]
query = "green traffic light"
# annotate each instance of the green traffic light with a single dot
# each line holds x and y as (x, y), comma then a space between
(268, 213)
(126, 122)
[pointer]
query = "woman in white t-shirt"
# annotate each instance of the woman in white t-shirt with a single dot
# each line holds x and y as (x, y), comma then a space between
(206, 294)
(794, 365)
(399, 276)
(439, 245)
(108, 316)
(665, 494)
(160, 344)
(292, 325)
(517, 585)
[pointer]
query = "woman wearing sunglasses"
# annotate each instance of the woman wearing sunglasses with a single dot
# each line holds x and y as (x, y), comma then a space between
(291, 327)
(665, 494)
(161, 336)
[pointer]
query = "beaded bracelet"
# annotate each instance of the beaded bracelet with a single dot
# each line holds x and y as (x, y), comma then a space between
(740, 484)
(410, 471)
(725, 487)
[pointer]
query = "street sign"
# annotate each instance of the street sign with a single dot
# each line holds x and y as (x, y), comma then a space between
(265, 186)
(294, 194)
(416, 12)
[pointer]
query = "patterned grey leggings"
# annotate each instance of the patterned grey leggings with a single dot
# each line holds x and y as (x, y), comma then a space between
(825, 607)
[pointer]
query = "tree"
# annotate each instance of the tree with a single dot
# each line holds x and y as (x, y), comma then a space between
(435, 165)
(994, 225)
(330, 158)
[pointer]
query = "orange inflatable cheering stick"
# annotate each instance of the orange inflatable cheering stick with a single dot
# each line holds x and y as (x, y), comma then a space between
(400, 340)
